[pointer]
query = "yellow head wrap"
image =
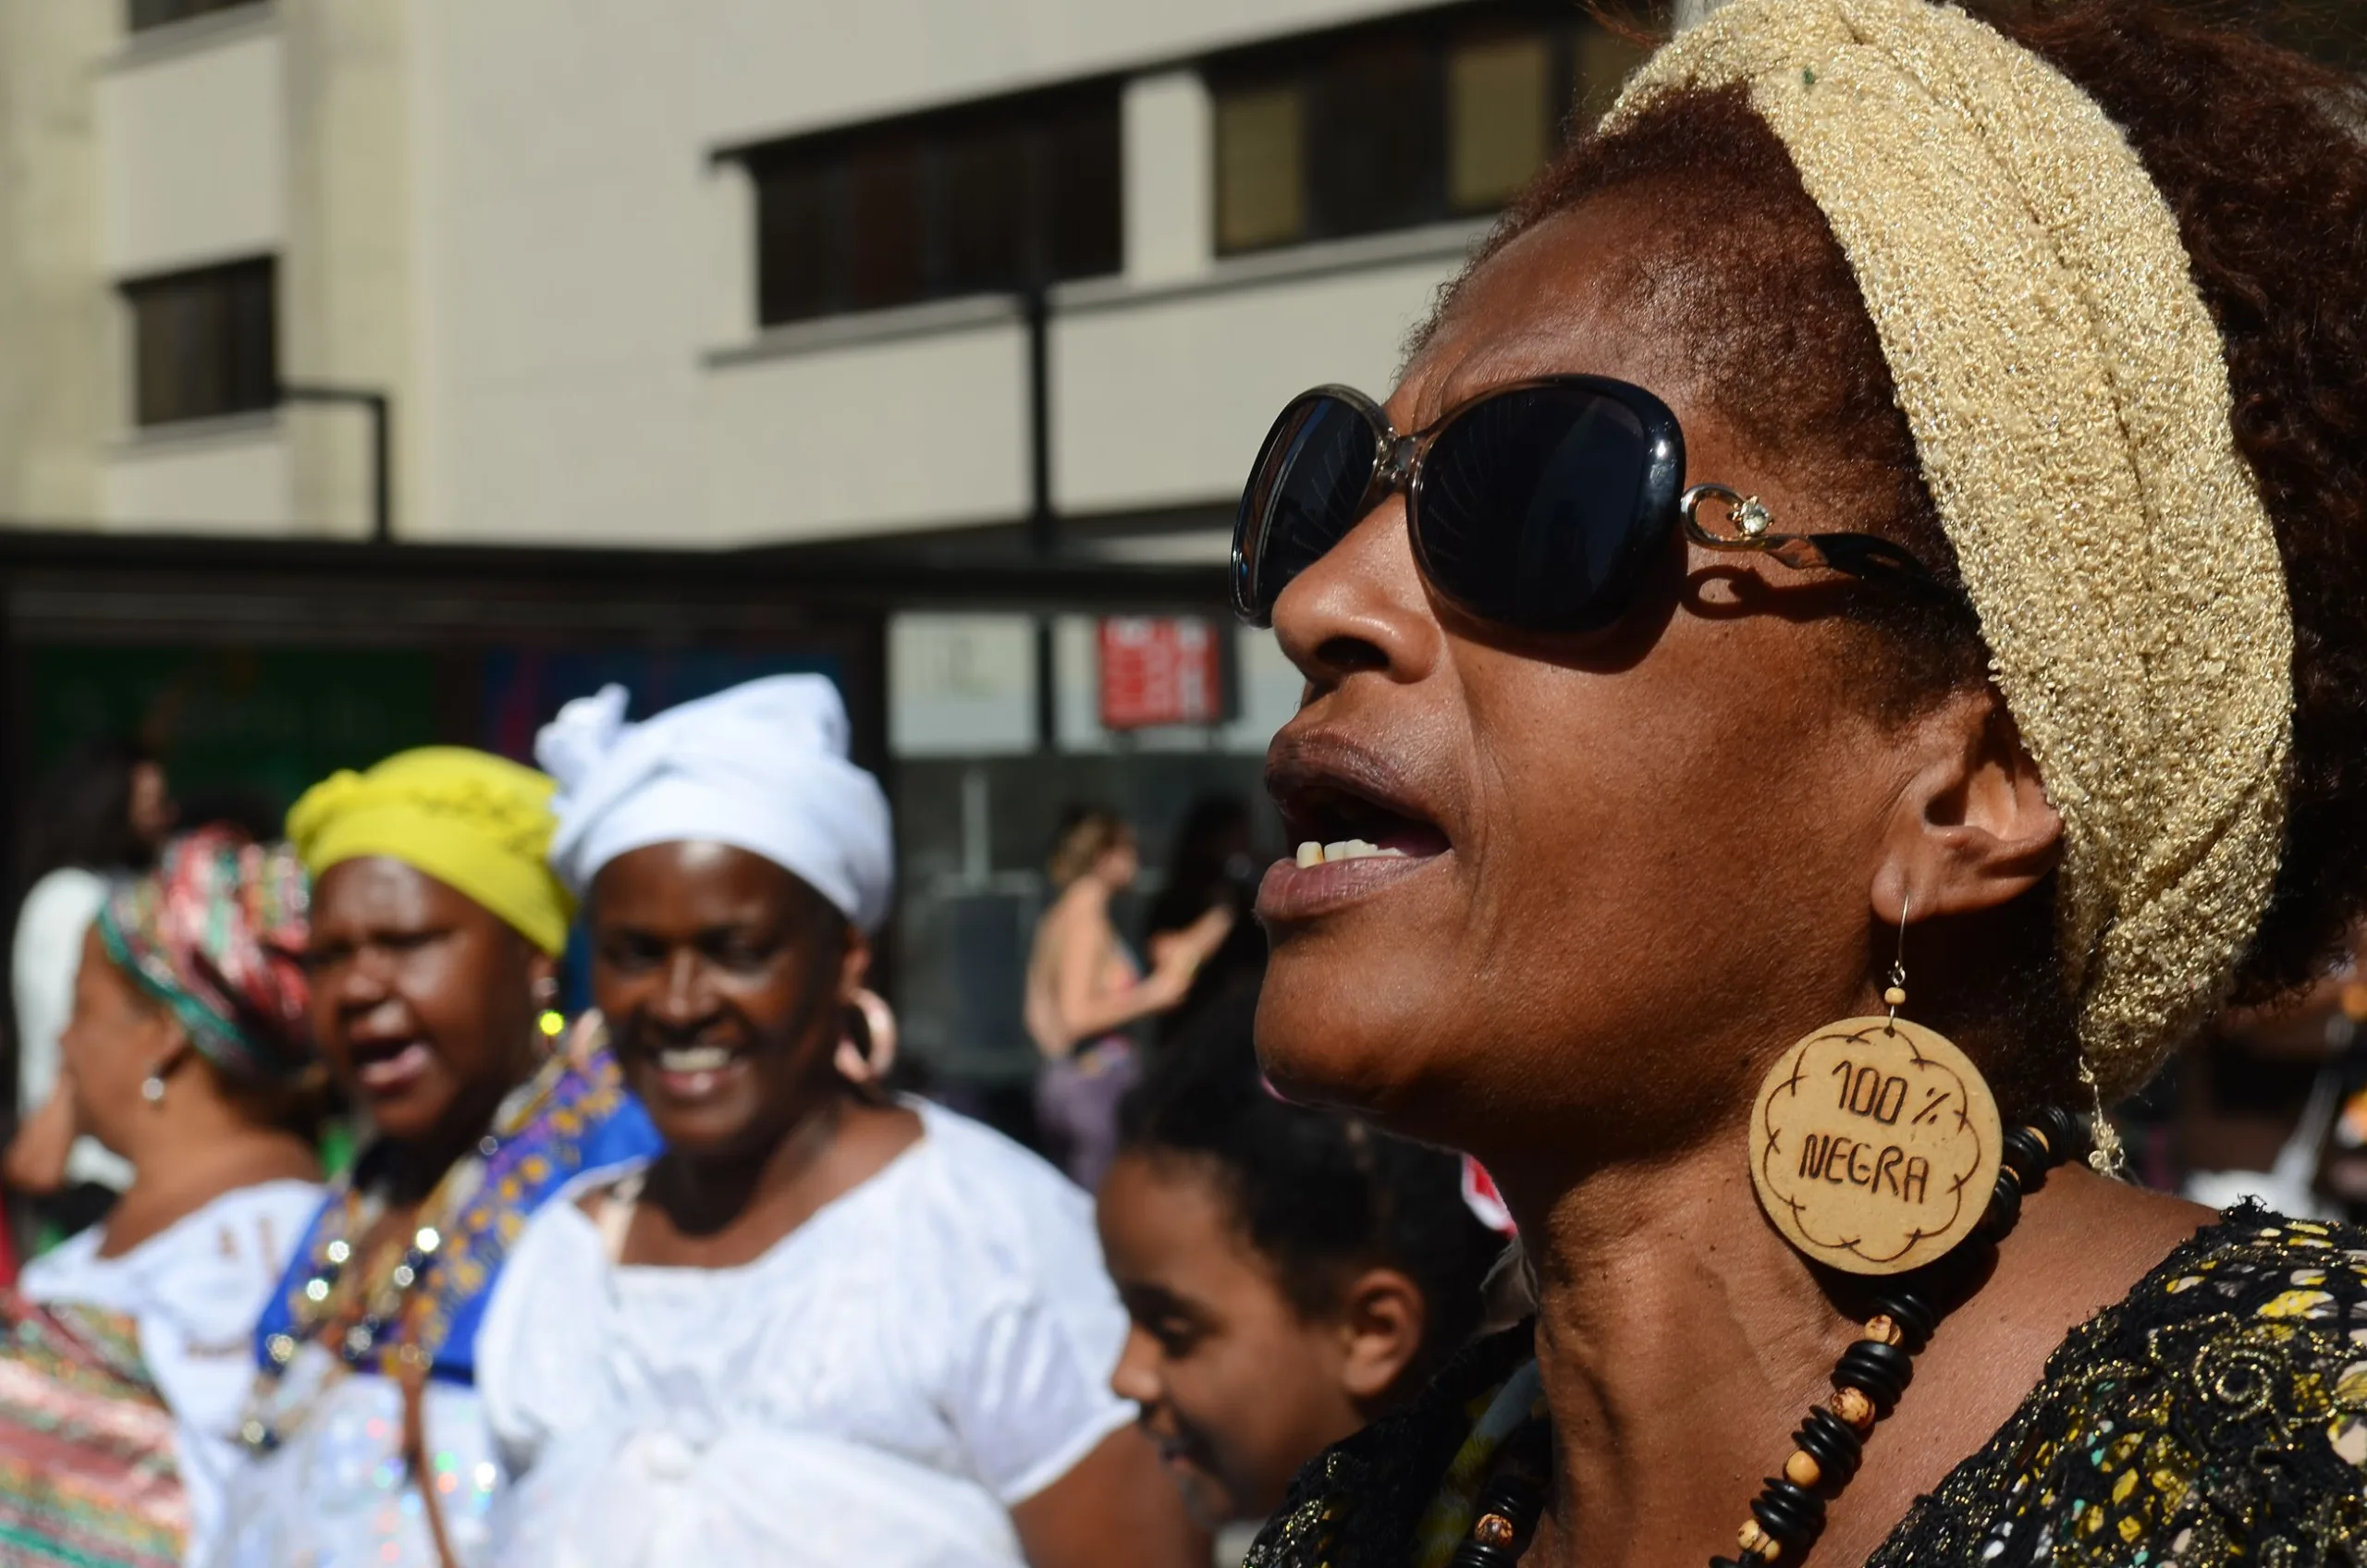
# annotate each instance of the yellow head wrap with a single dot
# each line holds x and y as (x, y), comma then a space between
(475, 821)
(2068, 392)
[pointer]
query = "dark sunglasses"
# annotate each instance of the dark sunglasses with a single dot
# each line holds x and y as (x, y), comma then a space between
(1536, 505)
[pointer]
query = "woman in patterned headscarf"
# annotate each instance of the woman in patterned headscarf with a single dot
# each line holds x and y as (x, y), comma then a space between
(188, 1054)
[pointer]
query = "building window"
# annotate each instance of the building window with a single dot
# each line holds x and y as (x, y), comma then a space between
(204, 342)
(1441, 115)
(145, 14)
(990, 198)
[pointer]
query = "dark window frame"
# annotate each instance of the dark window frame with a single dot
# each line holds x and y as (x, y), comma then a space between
(205, 341)
(1311, 64)
(140, 15)
(895, 212)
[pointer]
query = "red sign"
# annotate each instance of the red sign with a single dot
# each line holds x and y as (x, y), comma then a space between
(1159, 669)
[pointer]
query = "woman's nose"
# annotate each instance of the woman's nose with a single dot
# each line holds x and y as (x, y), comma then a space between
(1360, 606)
(681, 999)
(1135, 1380)
(361, 981)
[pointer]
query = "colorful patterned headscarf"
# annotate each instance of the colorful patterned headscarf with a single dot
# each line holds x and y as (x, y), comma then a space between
(216, 933)
(477, 823)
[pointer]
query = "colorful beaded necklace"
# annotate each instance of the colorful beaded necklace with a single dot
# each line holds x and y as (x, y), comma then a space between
(384, 1324)
(1788, 1513)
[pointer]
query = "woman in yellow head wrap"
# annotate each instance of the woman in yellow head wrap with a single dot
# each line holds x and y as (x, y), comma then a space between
(436, 925)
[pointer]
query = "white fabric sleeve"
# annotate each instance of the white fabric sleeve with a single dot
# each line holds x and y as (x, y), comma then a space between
(538, 1352)
(1034, 1398)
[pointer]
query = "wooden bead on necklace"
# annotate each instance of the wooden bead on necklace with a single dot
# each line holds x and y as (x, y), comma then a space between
(1789, 1511)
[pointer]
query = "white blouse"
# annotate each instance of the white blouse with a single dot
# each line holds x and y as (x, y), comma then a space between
(881, 1387)
(195, 1289)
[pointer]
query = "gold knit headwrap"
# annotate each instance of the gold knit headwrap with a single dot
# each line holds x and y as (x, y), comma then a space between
(2068, 392)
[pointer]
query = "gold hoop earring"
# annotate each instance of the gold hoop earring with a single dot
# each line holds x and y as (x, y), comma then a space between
(866, 1040)
(1875, 1141)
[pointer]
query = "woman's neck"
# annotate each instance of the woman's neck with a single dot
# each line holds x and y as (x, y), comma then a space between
(1680, 1342)
(1678, 1338)
(181, 1172)
(416, 1166)
(725, 1210)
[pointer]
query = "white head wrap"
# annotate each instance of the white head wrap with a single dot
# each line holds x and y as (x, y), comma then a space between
(762, 767)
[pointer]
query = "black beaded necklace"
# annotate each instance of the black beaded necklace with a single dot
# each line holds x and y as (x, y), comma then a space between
(1788, 1513)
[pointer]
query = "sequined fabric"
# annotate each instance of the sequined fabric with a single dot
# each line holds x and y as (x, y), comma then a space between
(2068, 392)
(337, 1492)
(2216, 1416)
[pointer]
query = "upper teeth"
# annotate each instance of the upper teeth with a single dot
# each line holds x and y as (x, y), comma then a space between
(1313, 854)
(695, 1058)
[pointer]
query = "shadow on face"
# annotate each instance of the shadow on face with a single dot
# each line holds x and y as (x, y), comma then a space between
(423, 1000)
(1236, 1385)
(723, 978)
(1627, 845)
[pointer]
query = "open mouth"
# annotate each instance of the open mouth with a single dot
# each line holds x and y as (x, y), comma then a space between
(1332, 822)
(1179, 1450)
(696, 1071)
(382, 1068)
(1355, 827)
(1342, 804)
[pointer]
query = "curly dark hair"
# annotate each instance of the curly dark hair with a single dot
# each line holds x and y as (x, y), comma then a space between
(2260, 154)
(1317, 1194)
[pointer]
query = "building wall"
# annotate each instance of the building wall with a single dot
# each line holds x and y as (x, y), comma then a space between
(52, 319)
(192, 169)
(587, 303)
(346, 296)
(519, 221)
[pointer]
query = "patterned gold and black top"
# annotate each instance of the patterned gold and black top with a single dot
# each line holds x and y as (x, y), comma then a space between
(2216, 1416)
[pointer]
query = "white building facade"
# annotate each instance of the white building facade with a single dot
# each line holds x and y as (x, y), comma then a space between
(720, 274)
(556, 232)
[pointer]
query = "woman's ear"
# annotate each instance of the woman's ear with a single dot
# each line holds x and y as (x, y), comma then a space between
(854, 967)
(164, 1047)
(1381, 1319)
(1973, 829)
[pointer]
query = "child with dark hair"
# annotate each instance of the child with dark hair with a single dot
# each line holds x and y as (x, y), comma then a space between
(1291, 1273)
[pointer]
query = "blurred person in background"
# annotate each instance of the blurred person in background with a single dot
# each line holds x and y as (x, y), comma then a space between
(436, 924)
(1291, 1273)
(189, 1055)
(825, 1325)
(2258, 1101)
(1084, 988)
(1215, 865)
(102, 814)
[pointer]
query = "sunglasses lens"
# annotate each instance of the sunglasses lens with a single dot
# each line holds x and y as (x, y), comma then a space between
(1538, 505)
(1304, 496)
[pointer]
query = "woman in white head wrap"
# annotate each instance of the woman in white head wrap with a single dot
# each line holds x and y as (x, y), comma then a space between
(826, 1325)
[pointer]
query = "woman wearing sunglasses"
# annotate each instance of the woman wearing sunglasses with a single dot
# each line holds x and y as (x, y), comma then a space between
(1841, 651)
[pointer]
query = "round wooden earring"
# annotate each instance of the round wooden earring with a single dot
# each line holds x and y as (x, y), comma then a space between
(1875, 1144)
